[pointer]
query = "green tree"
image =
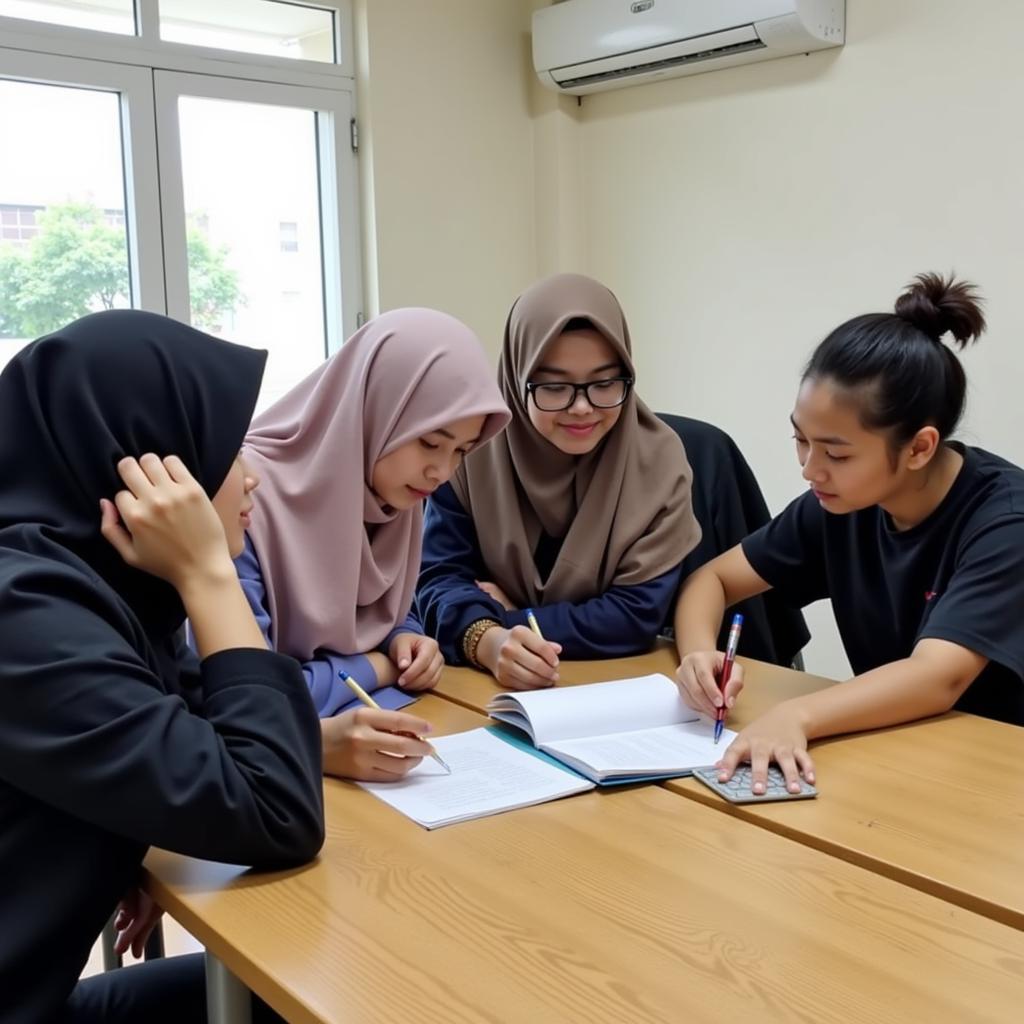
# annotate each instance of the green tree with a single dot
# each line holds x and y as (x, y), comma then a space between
(77, 264)
(212, 285)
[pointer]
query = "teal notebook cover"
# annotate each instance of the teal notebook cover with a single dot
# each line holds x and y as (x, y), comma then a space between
(516, 739)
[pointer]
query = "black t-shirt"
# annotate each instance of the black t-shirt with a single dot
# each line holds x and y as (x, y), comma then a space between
(956, 576)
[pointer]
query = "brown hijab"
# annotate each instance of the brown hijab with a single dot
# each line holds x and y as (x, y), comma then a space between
(623, 509)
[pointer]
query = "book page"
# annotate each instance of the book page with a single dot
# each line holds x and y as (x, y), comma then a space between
(669, 748)
(622, 705)
(488, 776)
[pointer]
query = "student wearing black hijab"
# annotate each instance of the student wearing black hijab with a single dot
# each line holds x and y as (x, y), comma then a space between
(115, 434)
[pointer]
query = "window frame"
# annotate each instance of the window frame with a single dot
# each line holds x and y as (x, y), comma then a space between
(341, 284)
(147, 49)
(138, 149)
(149, 74)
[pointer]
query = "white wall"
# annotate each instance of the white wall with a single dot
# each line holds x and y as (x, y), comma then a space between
(742, 214)
(447, 156)
(739, 215)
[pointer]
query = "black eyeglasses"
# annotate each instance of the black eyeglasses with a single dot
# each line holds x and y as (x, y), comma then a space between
(601, 394)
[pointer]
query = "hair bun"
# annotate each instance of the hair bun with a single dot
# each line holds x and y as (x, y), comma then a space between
(936, 305)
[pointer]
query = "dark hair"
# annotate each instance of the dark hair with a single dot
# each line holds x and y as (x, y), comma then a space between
(903, 376)
(578, 323)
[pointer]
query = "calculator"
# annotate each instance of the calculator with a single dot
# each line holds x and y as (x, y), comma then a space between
(737, 789)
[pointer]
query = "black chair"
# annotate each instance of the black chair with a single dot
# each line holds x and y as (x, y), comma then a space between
(728, 504)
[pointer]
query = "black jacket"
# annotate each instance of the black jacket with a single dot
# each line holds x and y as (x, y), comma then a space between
(112, 738)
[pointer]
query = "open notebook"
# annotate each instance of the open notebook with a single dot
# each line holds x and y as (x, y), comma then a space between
(489, 775)
(626, 731)
(622, 731)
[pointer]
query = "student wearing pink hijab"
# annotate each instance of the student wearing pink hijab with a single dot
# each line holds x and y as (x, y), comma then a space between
(345, 461)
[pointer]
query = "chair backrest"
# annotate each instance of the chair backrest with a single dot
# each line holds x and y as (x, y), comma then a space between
(728, 504)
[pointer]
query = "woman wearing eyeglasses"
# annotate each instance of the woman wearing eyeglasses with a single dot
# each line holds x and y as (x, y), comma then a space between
(580, 511)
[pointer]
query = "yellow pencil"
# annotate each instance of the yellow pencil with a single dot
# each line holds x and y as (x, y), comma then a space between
(532, 620)
(371, 703)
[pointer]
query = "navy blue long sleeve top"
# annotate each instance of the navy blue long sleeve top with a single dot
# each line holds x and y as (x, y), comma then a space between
(623, 620)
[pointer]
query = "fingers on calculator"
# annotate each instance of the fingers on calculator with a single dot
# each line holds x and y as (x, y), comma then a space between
(738, 789)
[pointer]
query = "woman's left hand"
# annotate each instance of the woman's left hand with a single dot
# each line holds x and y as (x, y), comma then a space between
(418, 659)
(778, 736)
(137, 916)
(493, 591)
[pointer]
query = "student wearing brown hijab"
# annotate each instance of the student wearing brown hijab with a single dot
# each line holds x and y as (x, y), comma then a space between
(580, 511)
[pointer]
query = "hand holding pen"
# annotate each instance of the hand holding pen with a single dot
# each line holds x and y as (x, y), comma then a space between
(699, 676)
(532, 620)
(371, 703)
(726, 673)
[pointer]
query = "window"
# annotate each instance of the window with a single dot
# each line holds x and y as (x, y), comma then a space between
(289, 236)
(274, 27)
(192, 176)
(247, 159)
(103, 15)
(61, 253)
(278, 28)
(18, 223)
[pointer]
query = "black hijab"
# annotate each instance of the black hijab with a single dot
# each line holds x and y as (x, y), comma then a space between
(73, 403)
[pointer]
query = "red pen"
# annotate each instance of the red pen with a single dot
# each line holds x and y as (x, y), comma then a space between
(726, 673)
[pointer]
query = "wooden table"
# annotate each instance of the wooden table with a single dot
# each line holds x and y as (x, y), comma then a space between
(765, 684)
(625, 905)
(937, 805)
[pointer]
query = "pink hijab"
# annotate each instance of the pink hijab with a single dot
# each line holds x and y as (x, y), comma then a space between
(339, 569)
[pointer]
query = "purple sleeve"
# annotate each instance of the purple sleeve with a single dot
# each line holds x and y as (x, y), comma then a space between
(330, 695)
(247, 566)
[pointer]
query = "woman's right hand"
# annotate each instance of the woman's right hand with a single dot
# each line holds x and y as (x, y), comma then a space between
(518, 658)
(163, 522)
(372, 745)
(137, 915)
(697, 679)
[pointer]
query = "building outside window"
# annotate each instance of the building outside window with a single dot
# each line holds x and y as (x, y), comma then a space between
(192, 173)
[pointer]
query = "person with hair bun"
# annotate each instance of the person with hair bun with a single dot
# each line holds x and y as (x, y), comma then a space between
(918, 540)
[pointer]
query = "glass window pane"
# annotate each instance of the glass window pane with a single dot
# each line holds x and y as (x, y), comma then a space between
(102, 15)
(272, 27)
(63, 250)
(252, 205)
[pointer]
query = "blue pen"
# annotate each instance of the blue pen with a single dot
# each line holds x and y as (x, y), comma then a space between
(723, 678)
(532, 620)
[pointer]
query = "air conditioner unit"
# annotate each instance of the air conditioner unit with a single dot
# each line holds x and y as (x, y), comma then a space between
(583, 46)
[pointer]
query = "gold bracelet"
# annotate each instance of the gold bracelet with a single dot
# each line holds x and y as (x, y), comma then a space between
(472, 637)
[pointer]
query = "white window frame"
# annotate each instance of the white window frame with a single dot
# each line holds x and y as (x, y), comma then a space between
(337, 168)
(138, 133)
(149, 50)
(150, 74)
